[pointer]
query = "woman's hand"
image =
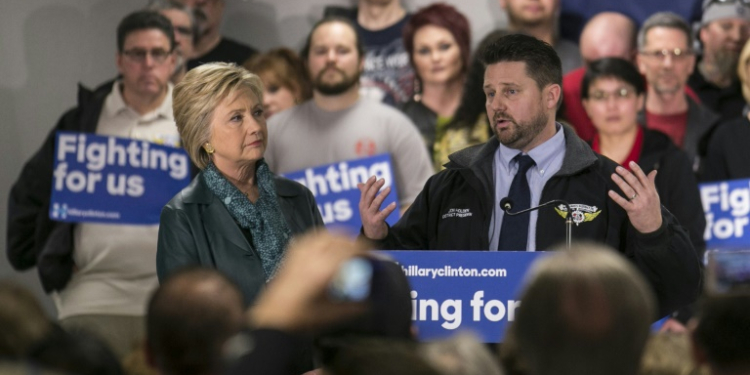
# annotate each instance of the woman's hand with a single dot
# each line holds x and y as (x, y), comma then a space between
(373, 218)
(642, 202)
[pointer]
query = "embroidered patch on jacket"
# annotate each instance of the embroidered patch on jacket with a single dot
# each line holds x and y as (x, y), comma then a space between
(457, 212)
(581, 212)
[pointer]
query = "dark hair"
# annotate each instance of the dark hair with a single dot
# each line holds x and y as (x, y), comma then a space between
(162, 5)
(440, 15)
(287, 69)
(723, 332)
(305, 51)
(189, 318)
(667, 20)
(612, 67)
(473, 98)
(542, 63)
(142, 20)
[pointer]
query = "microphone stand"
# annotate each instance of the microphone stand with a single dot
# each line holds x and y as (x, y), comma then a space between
(568, 217)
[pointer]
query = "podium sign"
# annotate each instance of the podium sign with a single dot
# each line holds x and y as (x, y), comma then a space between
(464, 290)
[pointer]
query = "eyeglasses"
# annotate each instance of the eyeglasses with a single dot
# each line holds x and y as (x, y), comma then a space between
(742, 2)
(603, 96)
(139, 55)
(676, 53)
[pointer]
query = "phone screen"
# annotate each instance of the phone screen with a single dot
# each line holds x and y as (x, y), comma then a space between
(728, 272)
(352, 280)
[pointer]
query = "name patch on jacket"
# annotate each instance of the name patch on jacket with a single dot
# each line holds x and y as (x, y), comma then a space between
(114, 180)
(581, 212)
(457, 212)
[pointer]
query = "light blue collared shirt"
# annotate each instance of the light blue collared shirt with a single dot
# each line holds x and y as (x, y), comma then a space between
(548, 157)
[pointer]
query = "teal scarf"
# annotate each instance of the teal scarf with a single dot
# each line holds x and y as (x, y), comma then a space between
(268, 228)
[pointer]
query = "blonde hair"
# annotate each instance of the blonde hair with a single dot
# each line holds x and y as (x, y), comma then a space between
(668, 353)
(742, 71)
(196, 97)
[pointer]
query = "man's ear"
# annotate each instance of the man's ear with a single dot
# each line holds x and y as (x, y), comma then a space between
(118, 61)
(552, 96)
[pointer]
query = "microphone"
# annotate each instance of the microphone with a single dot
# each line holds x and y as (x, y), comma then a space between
(507, 204)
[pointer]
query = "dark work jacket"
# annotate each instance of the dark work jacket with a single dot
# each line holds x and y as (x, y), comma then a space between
(728, 152)
(676, 184)
(701, 122)
(197, 229)
(666, 257)
(425, 120)
(33, 238)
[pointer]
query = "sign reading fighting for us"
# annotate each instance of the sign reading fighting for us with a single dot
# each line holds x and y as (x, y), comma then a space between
(335, 189)
(464, 290)
(727, 205)
(114, 180)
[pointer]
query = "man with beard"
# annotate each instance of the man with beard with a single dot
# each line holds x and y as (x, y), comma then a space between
(539, 18)
(387, 74)
(666, 59)
(725, 27)
(534, 159)
(336, 124)
(185, 31)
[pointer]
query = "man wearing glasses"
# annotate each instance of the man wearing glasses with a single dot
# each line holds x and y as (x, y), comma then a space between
(100, 276)
(666, 58)
(725, 27)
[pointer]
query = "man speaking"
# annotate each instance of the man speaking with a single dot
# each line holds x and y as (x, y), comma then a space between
(533, 159)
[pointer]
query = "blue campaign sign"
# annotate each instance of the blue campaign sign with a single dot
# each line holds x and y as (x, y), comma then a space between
(464, 290)
(726, 204)
(335, 189)
(114, 180)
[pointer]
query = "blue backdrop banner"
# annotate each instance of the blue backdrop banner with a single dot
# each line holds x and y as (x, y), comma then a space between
(114, 180)
(464, 290)
(727, 205)
(335, 189)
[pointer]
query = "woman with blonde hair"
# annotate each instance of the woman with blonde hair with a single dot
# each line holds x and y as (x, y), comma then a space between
(236, 216)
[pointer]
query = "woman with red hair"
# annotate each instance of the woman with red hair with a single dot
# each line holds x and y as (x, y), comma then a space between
(438, 40)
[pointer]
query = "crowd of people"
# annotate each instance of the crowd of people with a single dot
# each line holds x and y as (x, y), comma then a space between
(622, 122)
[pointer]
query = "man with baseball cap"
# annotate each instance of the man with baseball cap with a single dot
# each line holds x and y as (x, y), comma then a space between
(725, 27)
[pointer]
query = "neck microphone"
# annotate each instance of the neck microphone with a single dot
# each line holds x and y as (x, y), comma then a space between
(506, 204)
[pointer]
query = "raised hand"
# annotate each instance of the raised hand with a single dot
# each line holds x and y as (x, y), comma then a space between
(642, 202)
(373, 218)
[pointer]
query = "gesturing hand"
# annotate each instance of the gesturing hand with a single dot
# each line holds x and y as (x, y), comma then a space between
(373, 218)
(642, 202)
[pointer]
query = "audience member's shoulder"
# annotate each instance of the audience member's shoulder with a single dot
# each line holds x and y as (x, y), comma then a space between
(382, 110)
(238, 47)
(289, 117)
(736, 127)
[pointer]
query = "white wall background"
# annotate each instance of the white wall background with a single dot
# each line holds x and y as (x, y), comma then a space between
(47, 47)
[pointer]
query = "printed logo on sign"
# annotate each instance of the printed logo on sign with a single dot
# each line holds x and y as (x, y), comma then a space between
(457, 212)
(59, 211)
(581, 212)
